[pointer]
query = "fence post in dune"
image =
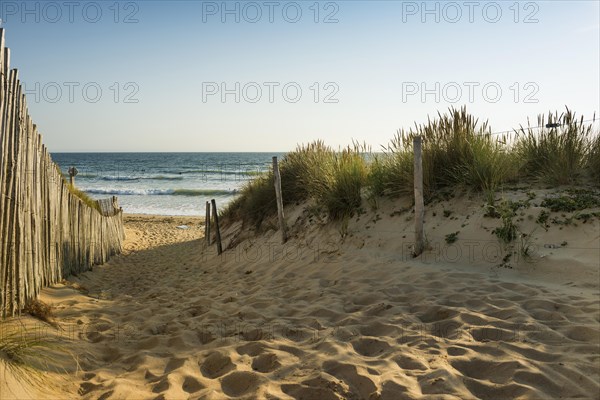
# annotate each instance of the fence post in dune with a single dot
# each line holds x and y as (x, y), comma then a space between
(280, 215)
(217, 230)
(207, 224)
(419, 203)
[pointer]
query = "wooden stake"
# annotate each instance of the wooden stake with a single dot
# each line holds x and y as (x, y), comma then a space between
(217, 230)
(207, 224)
(277, 176)
(419, 203)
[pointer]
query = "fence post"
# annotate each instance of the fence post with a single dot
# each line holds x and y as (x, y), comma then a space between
(207, 224)
(280, 215)
(217, 230)
(419, 204)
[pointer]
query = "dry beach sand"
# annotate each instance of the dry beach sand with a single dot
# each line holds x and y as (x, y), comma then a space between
(340, 312)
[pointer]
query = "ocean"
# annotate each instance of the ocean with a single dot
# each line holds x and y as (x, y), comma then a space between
(164, 183)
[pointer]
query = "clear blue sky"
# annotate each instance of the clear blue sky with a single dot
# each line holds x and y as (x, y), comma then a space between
(375, 61)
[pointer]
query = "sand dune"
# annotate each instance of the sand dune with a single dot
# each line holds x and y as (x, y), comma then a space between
(341, 311)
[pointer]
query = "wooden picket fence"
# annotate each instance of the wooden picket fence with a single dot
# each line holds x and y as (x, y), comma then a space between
(46, 232)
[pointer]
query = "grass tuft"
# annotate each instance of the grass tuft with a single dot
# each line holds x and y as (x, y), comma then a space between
(558, 155)
(593, 160)
(26, 353)
(457, 150)
(40, 310)
(84, 197)
(334, 179)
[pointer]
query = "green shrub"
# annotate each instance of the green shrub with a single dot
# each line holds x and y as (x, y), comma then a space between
(573, 200)
(508, 231)
(452, 237)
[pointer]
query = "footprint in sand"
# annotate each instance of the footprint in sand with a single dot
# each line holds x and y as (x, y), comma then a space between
(192, 385)
(265, 363)
(407, 362)
(162, 386)
(173, 364)
(378, 329)
(441, 381)
(433, 314)
(216, 365)
(150, 377)
(240, 383)
(252, 349)
(370, 347)
(359, 385)
(457, 351)
(390, 390)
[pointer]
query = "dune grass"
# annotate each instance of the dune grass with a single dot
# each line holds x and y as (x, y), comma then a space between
(84, 197)
(255, 202)
(457, 151)
(334, 179)
(593, 160)
(557, 155)
(26, 353)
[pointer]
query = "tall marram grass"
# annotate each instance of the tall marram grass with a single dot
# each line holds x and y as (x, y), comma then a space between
(560, 154)
(339, 181)
(255, 202)
(457, 151)
(333, 179)
(593, 160)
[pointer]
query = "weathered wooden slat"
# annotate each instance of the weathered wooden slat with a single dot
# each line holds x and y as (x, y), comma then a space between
(217, 229)
(279, 198)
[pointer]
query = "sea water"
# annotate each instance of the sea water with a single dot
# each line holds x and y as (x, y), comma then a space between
(164, 183)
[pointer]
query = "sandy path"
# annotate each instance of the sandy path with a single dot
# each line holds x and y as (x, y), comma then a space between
(165, 321)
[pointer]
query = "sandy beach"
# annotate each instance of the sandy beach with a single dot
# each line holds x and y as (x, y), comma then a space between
(355, 200)
(339, 312)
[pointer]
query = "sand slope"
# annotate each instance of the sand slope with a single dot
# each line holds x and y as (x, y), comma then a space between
(341, 311)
